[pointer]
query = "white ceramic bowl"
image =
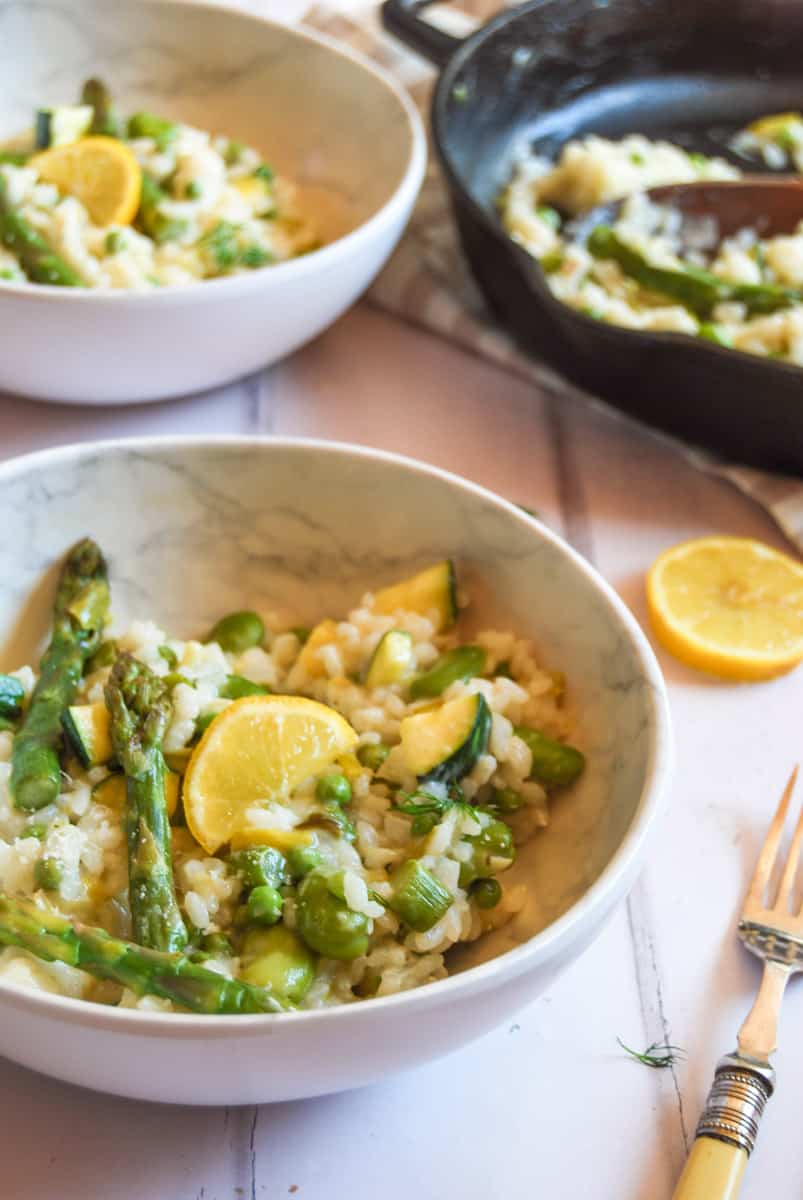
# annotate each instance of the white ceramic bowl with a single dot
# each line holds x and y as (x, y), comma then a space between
(322, 116)
(195, 527)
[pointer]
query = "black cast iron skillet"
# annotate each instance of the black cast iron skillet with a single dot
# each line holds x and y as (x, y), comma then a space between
(691, 71)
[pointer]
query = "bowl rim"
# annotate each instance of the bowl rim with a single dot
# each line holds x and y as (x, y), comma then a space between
(598, 898)
(328, 255)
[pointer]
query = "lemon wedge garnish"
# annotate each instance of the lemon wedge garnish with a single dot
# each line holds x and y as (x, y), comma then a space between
(101, 172)
(257, 751)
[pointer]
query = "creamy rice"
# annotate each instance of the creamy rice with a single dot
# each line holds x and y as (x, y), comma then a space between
(84, 835)
(228, 211)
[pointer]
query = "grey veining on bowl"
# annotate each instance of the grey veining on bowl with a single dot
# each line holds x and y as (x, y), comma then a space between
(194, 529)
(290, 97)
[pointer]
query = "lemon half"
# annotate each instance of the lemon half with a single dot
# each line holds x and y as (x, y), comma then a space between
(730, 606)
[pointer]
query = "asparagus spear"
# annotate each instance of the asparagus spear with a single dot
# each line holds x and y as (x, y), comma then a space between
(37, 259)
(157, 224)
(146, 972)
(106, 120)
(692, 287)
(79, 615)
(140, 709)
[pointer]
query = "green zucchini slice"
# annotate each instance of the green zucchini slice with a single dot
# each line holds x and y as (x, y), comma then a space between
(12, 696)
(86, 727)
(443, 744)
(431, 591)
(60, 126)
(392, 661)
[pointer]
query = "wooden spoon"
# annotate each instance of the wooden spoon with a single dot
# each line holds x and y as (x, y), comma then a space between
(770, 206)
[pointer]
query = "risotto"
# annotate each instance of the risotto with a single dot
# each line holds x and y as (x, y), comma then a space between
(267, 817)
(649, 270)
(89, 199)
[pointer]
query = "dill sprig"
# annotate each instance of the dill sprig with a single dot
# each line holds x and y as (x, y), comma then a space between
(427, 809)
(659, 1055)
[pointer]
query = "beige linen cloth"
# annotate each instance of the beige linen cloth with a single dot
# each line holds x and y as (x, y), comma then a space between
(427, 282)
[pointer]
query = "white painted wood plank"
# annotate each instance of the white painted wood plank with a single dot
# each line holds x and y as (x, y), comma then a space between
(26, 425)
(735, 746)
(552, 1108)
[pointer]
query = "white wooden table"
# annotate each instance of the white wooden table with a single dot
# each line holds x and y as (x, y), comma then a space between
(548, 1105)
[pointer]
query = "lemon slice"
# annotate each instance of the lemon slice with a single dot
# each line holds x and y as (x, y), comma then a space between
(256, 751)
(280, 839)
(730, 606)
(101, 172)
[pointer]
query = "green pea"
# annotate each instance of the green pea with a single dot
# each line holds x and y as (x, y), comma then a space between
(486, 893)
(554, 763)
(47, 874)
(145, 124)
(37, 830)
(423, 823)
(550, 216)
(302, 632)
(233, 152)
(237, 686)
(115, 242)
(372, 756)
(216, 944)
(507, 800)
(497, 838)
(303, 859)
(278, 959)
(493, 846)
(333, 788)
(259, 866)
(237, 632)
(265, 905)
(327, 924)
(255, 256)
(549, 264)
(462, 663)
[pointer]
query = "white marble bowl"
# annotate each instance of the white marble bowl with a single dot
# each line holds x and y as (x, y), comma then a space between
(322, 116)
(195, 527)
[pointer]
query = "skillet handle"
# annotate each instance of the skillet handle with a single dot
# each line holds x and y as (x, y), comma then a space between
(401, 18)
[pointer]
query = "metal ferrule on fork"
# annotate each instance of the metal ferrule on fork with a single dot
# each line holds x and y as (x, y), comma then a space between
(736, 1102)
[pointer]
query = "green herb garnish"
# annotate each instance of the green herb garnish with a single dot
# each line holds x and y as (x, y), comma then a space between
(659, 1055)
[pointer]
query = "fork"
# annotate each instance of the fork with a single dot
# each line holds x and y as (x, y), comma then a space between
(744, 1081)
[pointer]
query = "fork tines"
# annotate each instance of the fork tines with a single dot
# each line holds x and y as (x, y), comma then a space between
(756, 902)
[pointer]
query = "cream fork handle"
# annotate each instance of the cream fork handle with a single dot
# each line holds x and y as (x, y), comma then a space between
(713, 1171)
(726, 1132)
